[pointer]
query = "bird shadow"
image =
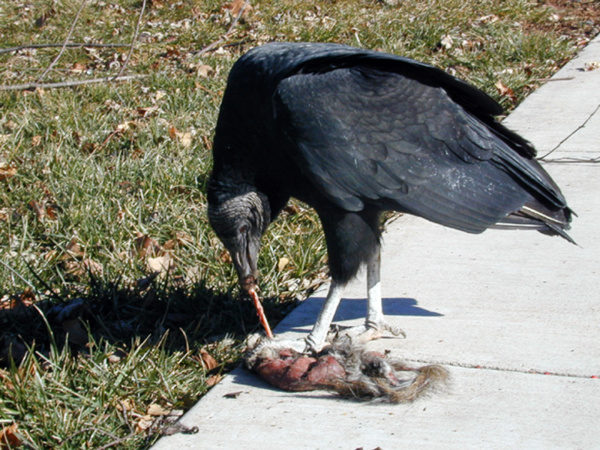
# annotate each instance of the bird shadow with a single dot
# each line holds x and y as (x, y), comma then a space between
(350, 309)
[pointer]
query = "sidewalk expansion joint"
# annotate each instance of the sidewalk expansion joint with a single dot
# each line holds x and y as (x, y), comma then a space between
(506, 369)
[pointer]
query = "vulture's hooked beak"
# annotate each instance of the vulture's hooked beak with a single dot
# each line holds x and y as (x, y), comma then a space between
(245, 263)
(248, 283)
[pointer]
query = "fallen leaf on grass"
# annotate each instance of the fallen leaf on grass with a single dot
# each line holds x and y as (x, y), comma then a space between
(446, 42)
(505, 91)
(125, 405)
(185, 139)
(160, 264)
(78, 269)
(7, 172)
(146, 246)
(283, 262)
(36, 141)
(78, 68)
(236, 6)
(213, 379)
(43, 210)
(156, 410)
(143, 424)
(146, 111)
(207, 360)
(9, 437)
(73, 250)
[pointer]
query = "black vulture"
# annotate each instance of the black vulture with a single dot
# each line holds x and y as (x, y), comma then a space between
(353, 133)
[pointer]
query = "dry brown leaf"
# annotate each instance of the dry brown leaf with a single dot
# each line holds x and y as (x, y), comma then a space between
(125, 405)
(124, 126)
(78, 68)
(235, 6)
(10, 125)
(208, 361)
(146, 246)
(213, 379)
(27, 298)
(74, 250)
(157, 4)
(143, 424)
(283, 262)
(89, 147)
(204, 70)
(447, 42)
(504, 90)
(160, 264)
(146, 111)
(9, 438)
(36, 140)
(7, 172)
(39, 208)
(156, 410)
(78, 269)
(51, 211)
(225, 257)
(184, 139)
(170, 244)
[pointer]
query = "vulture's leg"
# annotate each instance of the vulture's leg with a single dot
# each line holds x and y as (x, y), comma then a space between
(375, 322)
(316, 339)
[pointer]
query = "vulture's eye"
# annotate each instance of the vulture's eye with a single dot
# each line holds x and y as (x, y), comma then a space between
(243, 229)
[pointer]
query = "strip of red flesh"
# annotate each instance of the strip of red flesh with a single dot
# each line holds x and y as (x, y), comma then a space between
(260, 312)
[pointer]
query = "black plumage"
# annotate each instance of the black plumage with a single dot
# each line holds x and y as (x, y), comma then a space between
(352, 133)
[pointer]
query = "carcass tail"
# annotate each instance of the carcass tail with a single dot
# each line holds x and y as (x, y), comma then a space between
(535, 216)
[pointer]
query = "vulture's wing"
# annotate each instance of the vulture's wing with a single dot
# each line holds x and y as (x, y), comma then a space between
(363, 133)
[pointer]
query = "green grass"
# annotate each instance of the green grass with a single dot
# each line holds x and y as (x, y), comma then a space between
(101, 183)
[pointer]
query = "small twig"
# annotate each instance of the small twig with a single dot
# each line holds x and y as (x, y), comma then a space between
(135, 36)
(33, 86)
(222, 39)
(68, 45)
(62, 49)
(545, 80)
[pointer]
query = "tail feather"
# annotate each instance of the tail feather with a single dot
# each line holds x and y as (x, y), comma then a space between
(534, 216)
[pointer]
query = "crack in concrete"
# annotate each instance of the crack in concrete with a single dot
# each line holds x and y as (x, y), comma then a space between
(569, 136)
(507, 369)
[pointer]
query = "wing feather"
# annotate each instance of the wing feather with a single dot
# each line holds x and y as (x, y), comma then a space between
(364, 135)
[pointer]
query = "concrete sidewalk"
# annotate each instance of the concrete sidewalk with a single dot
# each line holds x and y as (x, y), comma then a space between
(514, 316)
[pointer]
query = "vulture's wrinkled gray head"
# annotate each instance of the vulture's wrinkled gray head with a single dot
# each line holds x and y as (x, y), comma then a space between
(240, 221)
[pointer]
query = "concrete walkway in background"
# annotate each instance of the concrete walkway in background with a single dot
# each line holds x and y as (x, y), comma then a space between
(513, 315)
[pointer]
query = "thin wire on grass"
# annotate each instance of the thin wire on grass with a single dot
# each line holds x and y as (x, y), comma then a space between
(61, 84)
(67, 45)
(135, 36)
(62, 49)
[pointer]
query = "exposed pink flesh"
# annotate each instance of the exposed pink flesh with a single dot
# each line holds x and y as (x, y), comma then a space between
(260, 312)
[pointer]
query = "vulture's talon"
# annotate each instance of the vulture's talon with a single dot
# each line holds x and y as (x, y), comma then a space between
(365, 333)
